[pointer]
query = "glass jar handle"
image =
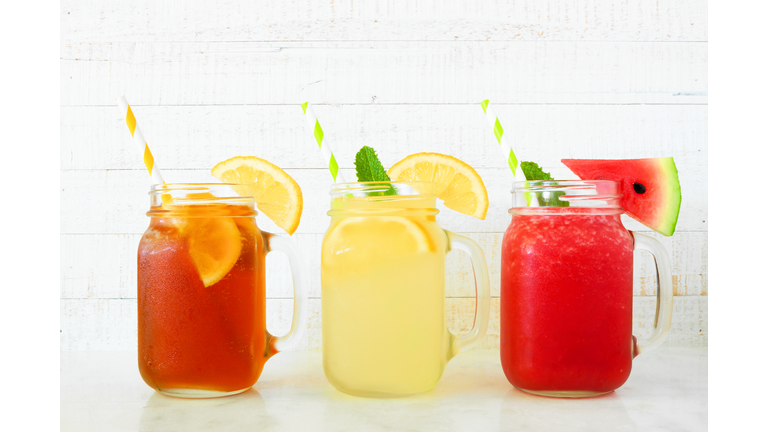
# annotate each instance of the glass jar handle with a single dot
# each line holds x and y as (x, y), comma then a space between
(663, 318)
(482, 293)
(273, 242)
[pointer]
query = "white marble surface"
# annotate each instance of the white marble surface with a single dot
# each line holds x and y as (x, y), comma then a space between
(102, 391)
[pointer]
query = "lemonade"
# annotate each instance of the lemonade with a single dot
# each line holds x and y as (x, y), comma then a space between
(383, 290)
(383, 302)
(383, 274)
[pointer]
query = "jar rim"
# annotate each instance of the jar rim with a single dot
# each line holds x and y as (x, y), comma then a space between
(403, 189)
(605, 194)
(159, 188)
(167, 199)
(532, 185)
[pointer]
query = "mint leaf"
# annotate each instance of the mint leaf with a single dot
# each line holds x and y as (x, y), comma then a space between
(533, 172)
(369, 169)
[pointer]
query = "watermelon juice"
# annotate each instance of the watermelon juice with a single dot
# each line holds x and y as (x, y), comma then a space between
(566, 294)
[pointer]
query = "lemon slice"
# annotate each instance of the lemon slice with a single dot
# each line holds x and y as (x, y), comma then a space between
(277, 195)
(372, 238)
(214, 244)
(457, 183)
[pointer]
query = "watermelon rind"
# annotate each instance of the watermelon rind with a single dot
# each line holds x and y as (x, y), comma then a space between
(667, 185)
(675, 196)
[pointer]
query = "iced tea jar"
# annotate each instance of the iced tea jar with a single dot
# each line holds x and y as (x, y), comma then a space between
(566, 290)
(201, 292)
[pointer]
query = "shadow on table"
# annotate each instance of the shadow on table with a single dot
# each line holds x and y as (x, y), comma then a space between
(233, 413)
(521, 411)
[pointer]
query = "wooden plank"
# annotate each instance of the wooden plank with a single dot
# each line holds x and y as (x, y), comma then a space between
(689, 254)
(383, 72)
(110, 324)
(495, 20)
(690, 327)
(689, 320)
(212, 82)
(189, 137)
(98, 266)
(115, 274)
(104, 324)
(115, 202)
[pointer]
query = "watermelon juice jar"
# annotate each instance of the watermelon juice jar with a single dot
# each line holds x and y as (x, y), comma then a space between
(566, 290)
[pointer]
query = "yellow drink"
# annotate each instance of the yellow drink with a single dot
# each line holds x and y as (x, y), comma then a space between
(383, 294)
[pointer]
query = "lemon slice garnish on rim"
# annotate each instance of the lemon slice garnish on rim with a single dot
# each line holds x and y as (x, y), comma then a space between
(456, 183)
(277, 195)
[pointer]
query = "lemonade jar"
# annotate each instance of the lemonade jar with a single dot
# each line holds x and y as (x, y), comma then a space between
(201, 292)
(383, 290)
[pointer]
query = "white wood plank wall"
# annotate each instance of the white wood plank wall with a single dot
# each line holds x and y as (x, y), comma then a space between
(213, 79)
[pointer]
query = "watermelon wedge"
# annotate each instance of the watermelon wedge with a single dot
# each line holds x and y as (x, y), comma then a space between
(650, 187)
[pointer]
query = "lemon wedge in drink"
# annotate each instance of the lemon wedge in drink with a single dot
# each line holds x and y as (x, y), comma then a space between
(214, 245)
(277, 195)
(213, 242)
(457, 184)
(392, 236)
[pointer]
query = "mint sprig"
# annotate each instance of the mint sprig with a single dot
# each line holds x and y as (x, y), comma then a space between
(533, 172)
(368, 166)
(369, 169)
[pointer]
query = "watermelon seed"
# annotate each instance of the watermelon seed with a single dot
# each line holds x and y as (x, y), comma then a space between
(639, 187)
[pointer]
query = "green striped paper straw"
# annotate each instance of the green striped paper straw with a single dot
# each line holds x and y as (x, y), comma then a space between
(498, 131)
(325, 150)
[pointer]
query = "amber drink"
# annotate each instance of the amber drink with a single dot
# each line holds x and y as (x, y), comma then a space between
(201, 292)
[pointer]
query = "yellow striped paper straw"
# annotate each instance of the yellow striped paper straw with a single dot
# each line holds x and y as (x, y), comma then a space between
(498, 131)
(141, 143)
(325, 150)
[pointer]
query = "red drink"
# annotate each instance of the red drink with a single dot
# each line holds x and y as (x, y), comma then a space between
(566, 301)
(566, 290)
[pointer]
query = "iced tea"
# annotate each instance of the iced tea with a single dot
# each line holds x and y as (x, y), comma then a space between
(201, 297)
